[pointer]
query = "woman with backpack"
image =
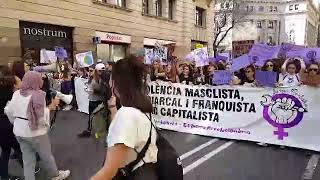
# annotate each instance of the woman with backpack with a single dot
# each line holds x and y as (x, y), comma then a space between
(130, 127)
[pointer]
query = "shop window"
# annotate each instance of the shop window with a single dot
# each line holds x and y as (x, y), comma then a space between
(111, 52)
(200, 17)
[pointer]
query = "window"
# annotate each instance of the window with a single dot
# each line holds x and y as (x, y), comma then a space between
(259, 24)
(111, 52)
(296, 7)
(251, 21)
(251, 8)
(121, 3)
(222, 5)
(158, 6)
(146, 6)
(259, 39)
(200, 17)
(270, 25)
(290, 7)
(247, 8)
(275, 9)
(271, 9)
(261, 8)
(270, 40)
(171, 9)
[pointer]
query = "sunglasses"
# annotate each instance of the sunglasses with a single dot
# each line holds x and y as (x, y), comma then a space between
(315, 70)
(91, 70)
(269, 65)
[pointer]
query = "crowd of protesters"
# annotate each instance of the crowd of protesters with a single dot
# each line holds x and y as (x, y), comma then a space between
(291, 72)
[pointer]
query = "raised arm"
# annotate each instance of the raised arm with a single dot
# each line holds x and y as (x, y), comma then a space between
(303, 65)
(284, 66)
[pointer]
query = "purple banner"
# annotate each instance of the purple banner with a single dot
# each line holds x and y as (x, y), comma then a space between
(286, 47)
(240, 62)
(266, 78)
(307, 54)
(262, 52)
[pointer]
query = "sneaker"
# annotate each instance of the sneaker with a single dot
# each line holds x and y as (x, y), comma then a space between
(262, 144)
(62, 175)
(37, 170)
(84, 134)
(14, 178)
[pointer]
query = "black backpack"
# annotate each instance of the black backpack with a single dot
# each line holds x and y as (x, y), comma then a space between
(169, 166)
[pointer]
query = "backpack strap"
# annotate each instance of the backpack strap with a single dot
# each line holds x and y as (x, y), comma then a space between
(128, 168)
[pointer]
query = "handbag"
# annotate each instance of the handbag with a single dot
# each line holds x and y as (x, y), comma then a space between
(127, 173)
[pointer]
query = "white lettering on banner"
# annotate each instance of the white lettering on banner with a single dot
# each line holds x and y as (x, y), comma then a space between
(284, 116)
(112, 37)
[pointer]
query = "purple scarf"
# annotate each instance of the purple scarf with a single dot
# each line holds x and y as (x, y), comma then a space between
(31, 84)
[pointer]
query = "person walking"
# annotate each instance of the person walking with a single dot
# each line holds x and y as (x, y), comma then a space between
(31, 121)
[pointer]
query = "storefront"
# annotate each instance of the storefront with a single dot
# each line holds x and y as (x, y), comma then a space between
(37, 36)
(111, 47)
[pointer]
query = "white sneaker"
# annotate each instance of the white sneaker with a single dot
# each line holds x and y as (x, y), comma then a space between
(262, 144)
(62, 175)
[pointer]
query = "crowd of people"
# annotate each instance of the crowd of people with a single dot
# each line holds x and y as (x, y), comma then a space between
(24, 129)
(291, 72)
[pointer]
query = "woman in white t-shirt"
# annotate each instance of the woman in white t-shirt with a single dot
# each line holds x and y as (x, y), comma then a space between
(289, 76)
(130, 126)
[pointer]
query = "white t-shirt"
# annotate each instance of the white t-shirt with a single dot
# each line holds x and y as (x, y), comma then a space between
(131, 127)
(16, 108)
(289, 80)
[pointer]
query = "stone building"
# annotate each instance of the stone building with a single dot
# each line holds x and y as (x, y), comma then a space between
(110, 29)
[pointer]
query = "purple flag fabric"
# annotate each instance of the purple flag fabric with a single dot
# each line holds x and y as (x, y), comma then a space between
(266, 78)
(263, 52)
(286, 47)
(61, 53)
(307, 54)
(240, 62)
(222, 77)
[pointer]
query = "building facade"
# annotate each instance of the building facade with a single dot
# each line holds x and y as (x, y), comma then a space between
(275, 22)
(110, 29)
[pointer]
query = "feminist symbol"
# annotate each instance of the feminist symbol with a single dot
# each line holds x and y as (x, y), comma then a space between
(311, 54)
(282, 111)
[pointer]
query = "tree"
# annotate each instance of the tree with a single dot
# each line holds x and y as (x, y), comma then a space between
(227, 16)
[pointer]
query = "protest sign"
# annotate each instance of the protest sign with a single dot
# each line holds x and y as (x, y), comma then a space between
(286, 47)
(222, 77)
(47, 57)
(266, 78)
(82, 95)
(307, 54)
(201, 57)
(61, 53)
(161, 52)
(263, 52)
(242, 113)
(240, 62)
(149, 56)
(85, 59)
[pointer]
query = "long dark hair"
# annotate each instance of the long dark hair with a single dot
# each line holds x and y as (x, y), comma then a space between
(18, 69)
(7, 79)
(129, 80)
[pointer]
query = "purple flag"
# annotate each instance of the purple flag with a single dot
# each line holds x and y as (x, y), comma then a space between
(222, 77)
(61, 53)
(286, 47)
(263, 52)
(266, 78)
(307, 54)
(240, 62)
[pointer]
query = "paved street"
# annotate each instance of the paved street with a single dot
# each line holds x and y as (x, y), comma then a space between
(204, 158)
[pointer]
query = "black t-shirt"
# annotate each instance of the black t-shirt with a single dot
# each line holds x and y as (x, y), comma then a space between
(188, 80)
